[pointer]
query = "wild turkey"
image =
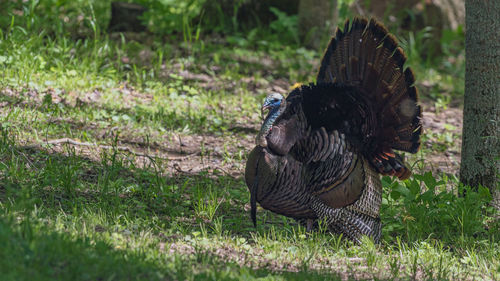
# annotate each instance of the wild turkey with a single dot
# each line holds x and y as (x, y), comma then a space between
(319, 153)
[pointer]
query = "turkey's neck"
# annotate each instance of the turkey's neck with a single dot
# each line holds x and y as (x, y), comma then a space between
(273, 114)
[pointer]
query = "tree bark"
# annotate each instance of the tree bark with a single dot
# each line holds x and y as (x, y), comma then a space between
(317, 20)
(481, 130)
(126, 17)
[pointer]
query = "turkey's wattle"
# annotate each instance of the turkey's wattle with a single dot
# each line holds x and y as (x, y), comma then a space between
(320, 151)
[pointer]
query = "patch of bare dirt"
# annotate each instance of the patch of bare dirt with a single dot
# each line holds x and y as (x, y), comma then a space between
(129, 97)
(205, 152)
(210, 80)
(445, 124)
(208, 152)
(186, 154)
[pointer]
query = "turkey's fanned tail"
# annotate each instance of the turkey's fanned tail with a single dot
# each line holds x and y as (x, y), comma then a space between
(365, 56)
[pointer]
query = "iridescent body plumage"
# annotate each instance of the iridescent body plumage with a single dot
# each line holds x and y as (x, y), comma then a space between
(320, 151)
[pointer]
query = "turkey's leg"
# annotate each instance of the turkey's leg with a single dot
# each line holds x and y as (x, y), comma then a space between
(309, 225)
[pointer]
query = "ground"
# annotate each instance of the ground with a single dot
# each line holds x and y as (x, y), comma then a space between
(129, 165)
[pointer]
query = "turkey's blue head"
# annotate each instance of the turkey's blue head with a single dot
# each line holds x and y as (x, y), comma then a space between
(274, 104)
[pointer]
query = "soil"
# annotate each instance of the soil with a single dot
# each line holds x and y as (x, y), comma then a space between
(195, 153)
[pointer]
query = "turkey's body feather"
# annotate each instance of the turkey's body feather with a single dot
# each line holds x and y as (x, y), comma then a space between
(323, 154)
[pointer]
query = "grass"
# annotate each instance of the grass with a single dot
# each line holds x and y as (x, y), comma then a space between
(66, 216)
(154, 189)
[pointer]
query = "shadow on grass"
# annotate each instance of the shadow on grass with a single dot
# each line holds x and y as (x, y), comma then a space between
(37, 186)
(33, 252)
(66, 181)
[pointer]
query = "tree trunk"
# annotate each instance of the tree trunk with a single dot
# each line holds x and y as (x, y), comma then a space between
(126, 17)
(317, 20)
(481, 130)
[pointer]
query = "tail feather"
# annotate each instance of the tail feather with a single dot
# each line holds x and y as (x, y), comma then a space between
(366, 56)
